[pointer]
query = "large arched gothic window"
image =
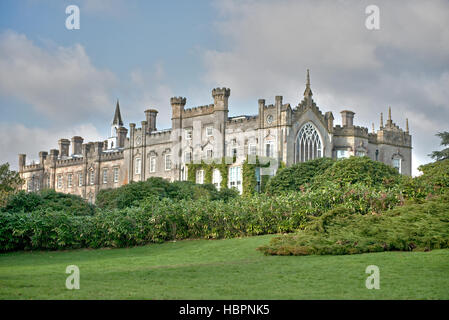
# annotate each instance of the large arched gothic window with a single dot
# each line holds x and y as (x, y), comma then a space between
(308, 144)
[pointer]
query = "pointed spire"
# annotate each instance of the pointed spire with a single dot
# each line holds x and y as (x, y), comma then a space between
(374, 131)
(381, 120)
(117, 116)
(308, 92)
(389, 113)
(406, 125)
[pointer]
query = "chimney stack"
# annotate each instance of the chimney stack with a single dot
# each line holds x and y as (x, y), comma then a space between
(121, 136)
(77, 143)
(347, 118)
(151, 115)
(54, 154)
(64, 145)
(42, 157)
(22, 161)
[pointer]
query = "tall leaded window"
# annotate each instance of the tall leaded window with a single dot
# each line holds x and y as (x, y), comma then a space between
(396, 162)
(138, 166)
(216, 178)
(69, 180)
(308, 144)
(200, 176)
(167, 162)
(105, 176)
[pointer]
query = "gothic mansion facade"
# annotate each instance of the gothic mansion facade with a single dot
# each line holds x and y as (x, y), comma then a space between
(279, 132)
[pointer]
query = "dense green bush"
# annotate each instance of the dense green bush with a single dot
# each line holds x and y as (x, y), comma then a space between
(47, 200)
(358, 170)
(292, 178)
(155, 220)
(435, 176)
(410, 227)
(130, 194)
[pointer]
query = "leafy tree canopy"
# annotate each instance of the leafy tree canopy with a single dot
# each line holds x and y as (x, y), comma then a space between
(10, 181)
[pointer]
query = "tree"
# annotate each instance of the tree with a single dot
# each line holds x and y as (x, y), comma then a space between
(443, 154)
(10, 182)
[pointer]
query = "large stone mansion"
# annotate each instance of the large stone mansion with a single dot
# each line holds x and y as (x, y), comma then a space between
(279, 131)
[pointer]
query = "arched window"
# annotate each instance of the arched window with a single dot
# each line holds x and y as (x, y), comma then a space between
(308, 144)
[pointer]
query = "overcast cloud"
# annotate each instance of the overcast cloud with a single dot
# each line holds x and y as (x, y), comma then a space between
(405, 64)
(264, 49)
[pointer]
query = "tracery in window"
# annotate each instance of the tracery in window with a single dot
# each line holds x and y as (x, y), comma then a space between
(308, 144)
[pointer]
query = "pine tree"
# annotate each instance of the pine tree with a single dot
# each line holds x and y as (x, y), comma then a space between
(443, 154)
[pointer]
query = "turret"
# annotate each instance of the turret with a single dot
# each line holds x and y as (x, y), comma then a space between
(221, 96)
(177, 105)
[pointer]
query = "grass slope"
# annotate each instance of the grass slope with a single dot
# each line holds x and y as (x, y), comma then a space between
(221, 269)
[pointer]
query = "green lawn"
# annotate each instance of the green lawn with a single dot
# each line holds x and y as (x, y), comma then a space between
(221, 269)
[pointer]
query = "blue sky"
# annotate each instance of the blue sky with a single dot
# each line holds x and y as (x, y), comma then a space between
(56, 83)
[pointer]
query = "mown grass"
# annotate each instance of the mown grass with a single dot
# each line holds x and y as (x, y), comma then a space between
(221, 269)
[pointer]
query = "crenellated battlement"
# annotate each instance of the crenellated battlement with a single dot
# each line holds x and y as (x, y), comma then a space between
(165, 132)
(178, 100)
(198, 111)
(69, 162)
(351, 131)
(33, 167)
(221, 92)
(118, 154)
(242, 119)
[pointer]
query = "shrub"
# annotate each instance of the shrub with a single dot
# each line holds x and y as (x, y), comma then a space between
(292, 178)
(410, 227)
(358, 170)
(131, 194)
(435, 176)
(153, 219)
(48, 199)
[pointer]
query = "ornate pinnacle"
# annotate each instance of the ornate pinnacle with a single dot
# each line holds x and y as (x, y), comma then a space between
(308, 92)
(117, 116)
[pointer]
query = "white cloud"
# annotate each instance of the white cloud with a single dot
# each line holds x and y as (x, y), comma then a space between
(20, 139)
(150, 90)
(269, 45)
(55, 81)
